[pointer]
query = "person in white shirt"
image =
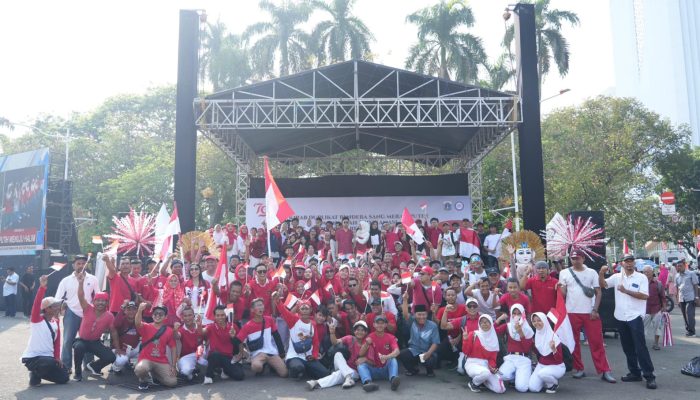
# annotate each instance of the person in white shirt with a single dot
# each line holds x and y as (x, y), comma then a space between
(631, 293)
(9, 292)
(582, 309)
(68, 291)
(492, 244)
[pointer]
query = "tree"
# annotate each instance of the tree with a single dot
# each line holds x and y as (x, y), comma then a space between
(551, 44)
(499, 73)
(280, 40)
(443, 47)
(226, 61)
(341, 36)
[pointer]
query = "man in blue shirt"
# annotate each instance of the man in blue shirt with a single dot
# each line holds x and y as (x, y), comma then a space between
(423, 342)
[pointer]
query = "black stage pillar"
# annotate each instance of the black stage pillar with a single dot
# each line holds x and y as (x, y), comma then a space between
(185, 130)
(529, 131)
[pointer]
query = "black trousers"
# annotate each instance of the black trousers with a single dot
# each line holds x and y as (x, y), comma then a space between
(217, 360)
(10, 305)
(411, 362)
(104, 354)
(688, 310)
(445, 352)
(313, 369)
(635, 347)
(47, 368)
(27, 301)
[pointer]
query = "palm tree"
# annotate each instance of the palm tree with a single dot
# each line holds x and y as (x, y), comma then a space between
(280, 40)
(443, 48)
(499, 73)
(344, 33)
(551, 44)
(225, 62)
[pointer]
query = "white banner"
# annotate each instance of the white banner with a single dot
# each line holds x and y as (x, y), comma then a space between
(668, 209)
(382, 209)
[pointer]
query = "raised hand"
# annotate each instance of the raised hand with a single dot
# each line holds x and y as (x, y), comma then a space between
(43, 280)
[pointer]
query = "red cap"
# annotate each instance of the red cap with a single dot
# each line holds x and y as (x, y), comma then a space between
(102, 296)
(210, 257)
(427, 270)
(300, 265)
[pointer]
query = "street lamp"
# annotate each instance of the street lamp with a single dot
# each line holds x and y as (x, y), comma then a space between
(562, 91)
(66, 139)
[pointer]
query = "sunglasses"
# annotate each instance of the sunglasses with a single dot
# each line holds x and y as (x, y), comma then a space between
(352, 285)
(473, 306)
(261, 272)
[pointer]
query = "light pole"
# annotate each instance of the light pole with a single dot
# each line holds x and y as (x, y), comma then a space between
(66, 139)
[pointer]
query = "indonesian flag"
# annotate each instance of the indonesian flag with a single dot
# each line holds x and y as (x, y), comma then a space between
(406, 277)
(112, 249)
(411, 227)
(316, 298)
(385, 296)
(329, 287)
(276, 207)
(424, 205)
(562, 326)
(290, 301)
(280, 273)
(171, 230)
(57, 266)
(625, 247)
(97, 239)
(469, 242)
(220, 270)
(307, 285)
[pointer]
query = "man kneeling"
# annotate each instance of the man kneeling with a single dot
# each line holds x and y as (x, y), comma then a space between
(156, 338)
(221, 334)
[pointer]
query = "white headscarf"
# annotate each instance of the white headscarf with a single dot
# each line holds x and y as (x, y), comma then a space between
(545, 335)
(488, 339)
(522, 321)
(362, 234)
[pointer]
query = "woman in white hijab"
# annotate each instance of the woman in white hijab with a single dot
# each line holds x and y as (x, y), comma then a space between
(481, 350)
(550, 365)
(517, 365)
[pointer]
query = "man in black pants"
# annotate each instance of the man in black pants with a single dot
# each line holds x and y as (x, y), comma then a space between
(631, 292)
(221, 334)
(27, 284)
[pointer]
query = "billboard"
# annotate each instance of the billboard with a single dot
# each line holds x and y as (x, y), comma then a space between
(23, 181)
(377, 208)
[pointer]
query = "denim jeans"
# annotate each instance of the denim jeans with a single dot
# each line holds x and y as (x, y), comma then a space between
(71, 324)
(368, 373)
(10, 305)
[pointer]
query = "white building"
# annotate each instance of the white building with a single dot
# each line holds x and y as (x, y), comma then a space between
(656, 49)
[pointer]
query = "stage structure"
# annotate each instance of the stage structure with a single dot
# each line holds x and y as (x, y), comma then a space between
(336, 119)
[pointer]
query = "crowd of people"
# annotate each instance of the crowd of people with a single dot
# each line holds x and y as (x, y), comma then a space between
(333, 306)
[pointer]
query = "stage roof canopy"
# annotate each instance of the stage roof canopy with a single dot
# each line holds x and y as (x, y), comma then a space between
(318, 114)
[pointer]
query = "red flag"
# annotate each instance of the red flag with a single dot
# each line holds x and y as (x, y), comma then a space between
(220, 269)
(316, 297)
(290, 301)
(625, 247)
(406, 277)
(411, 227)
(280, 273)
(562, 326)
(469, 242)
(276, 207)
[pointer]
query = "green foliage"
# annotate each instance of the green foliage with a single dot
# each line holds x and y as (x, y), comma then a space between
(342, 37)
(226, 61)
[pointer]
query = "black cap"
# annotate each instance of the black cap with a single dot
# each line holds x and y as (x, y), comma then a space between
(376, 302)
(492, 270)
(80, 257)
(165, 309)
(420, 308)
(132, 304)
(628, 256)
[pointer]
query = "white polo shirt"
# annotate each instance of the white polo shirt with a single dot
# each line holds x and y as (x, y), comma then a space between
(627, 307)
(576, 301)
(68, 289)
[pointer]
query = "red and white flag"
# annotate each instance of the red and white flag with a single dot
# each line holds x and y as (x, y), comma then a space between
(221, 269)
(276, 207)
(290, 301)
(411, 227)
(469, 242)
(424, 205)
(280, 273)
(307, 285)
(316, 298)
(625, 247)
(57, 266)
(562, 325)
(406, 277)
(97, 239)
(328, 287)
(171, 230)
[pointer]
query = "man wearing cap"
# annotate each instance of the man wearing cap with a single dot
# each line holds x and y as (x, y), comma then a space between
(476, 269)
(384, 348)
(68, 291)
(631, 294)
(121, 285)
(687, 284)
(345, 365)
(209, 268)
(422, 343)
(377, 309)
(126, 341)
(399, 255)
(156, 340)
(423, 291)
(542, 287)
(41, 357)
(96, 320)
(581, 289)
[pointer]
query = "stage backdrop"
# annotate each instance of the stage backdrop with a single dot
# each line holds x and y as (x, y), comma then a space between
(367, 198)
(23, 179)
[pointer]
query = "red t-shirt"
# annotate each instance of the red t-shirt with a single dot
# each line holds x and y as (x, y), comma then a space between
(472, 348)
(91, 327)
(344, 239)
(126, 331)
(382, 345)
(353, 345)
(507, 301)
(156, 350)
(264, 292)
(470, 324)
(398, 258)
(189, 340)
(119, 291)
(369, 318)
(544, 294)
(219, 339)
(459, 310)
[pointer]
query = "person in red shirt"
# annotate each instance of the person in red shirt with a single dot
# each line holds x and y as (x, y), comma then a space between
(96, 320)
(377, 309)
(433, 231)
(351, 315)
(384, 364)
(236, 297)
(550, 366)
(263, 341)
(542, 287)
(121, 285)
(516, 365)
(481, 349)
(220, 335)
(261, 287)
(189, 335)
(136, 269)
(126, 342)
(356, 294)
(399, 255)
(451, 311)
(343, 238)
(156, 337)
(514, 296)
(424, 292)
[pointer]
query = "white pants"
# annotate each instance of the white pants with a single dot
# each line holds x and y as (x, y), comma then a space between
(518, 368)
(478, 370)
(342, 369)
(122, 360)
(187, 363)
(546, 376)
(460, 364)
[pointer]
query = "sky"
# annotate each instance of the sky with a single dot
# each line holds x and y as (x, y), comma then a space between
(61, 57)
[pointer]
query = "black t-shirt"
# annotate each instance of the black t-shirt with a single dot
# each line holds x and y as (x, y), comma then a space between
(27, 279)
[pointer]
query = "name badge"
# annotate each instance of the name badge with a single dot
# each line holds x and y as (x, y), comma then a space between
(636, 286)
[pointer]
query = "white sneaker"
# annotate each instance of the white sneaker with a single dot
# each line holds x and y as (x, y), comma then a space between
(349, 382)
(207, 381)
(312, 384)
(223, 375)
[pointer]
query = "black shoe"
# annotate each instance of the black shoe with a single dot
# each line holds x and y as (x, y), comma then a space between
(651, 383)
(93, 370)
(474, 388)
(395, 383)
(411, 372)
(631, 378)
(143, 386)
(552, 389)
(34, 379)
(430, 374)
(78, 377)
(370, 387)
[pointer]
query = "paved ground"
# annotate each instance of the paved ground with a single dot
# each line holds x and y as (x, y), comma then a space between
(668, 361)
